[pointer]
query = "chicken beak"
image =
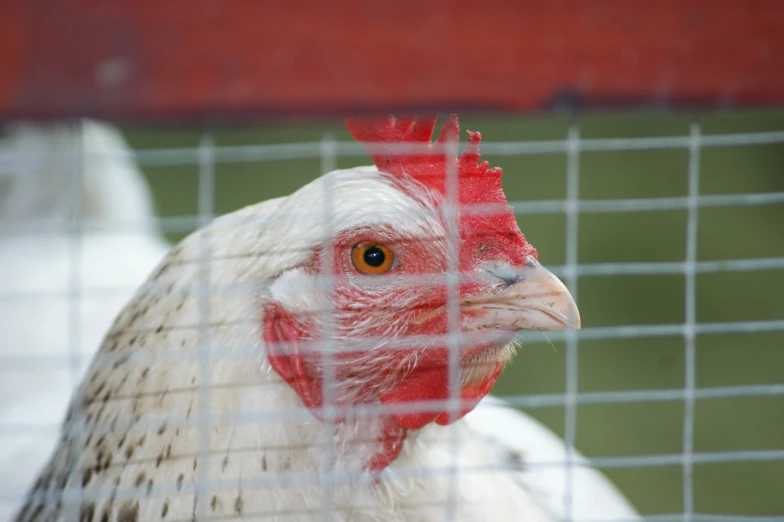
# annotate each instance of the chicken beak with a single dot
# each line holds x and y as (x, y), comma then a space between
(532, 298)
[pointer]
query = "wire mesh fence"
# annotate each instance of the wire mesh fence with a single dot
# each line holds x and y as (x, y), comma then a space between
(685, 336)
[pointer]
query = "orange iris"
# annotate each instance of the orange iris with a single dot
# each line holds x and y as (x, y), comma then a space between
(371, 258)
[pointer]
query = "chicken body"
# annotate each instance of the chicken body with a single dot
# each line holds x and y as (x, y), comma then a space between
(204, 400)
(61, 288)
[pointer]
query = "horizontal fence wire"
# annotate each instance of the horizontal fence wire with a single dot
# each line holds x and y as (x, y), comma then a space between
(158, 157)
(208, 155)
(146, 355)
(314, 150)
(584, 270)
(259, 482)
(519, 401)
(189, 223)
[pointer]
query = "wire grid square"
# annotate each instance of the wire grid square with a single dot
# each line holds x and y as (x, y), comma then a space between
(209, 156)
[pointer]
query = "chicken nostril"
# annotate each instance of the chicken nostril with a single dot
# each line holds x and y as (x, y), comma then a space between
(505, 273)
(510, 280)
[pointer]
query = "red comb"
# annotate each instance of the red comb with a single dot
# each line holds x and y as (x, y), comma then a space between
(477, 182)
(496, 228)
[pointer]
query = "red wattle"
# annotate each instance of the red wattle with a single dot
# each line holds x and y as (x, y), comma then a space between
(432, 385)
(422, 385)
(469, 398)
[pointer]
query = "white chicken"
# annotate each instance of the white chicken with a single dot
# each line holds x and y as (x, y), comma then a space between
(291, 361)
(60, 290)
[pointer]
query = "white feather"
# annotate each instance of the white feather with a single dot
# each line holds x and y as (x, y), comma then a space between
(515, 440)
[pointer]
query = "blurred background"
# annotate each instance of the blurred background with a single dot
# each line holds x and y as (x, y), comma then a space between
(170, 74)
(648, 363)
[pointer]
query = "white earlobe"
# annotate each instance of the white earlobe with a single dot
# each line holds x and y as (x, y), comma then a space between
(297, 291)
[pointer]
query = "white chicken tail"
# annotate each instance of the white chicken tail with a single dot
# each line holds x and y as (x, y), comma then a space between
(41, 164)
(61, 287)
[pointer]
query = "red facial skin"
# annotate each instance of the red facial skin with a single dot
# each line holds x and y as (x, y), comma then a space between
(494, 237)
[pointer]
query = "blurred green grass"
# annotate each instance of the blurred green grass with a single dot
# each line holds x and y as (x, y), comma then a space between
(746, 423)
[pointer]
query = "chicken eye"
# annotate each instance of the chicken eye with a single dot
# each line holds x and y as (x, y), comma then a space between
(371, 258)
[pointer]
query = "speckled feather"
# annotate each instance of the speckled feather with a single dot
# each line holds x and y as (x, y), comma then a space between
(138, 456)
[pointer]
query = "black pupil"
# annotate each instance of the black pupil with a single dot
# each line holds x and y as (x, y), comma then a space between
(374, 256)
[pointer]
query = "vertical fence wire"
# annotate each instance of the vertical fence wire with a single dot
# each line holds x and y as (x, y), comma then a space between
(75, 242)
(690, 335)
(454, 341)
(206, 211)
(571, 276)
(328, 163)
